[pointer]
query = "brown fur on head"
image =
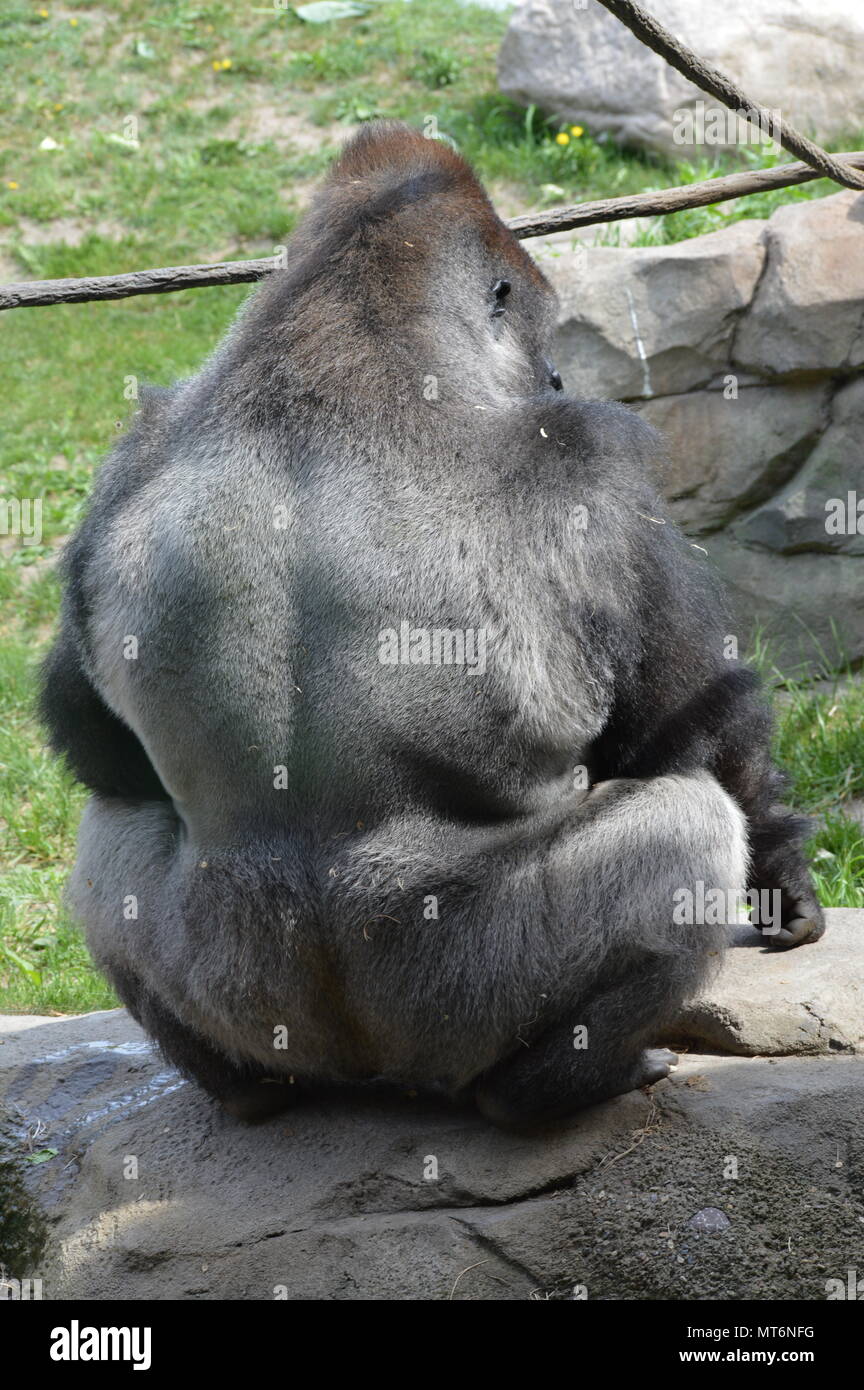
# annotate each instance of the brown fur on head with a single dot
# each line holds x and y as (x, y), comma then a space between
(388, 166)
(394, 270)
(389, 173)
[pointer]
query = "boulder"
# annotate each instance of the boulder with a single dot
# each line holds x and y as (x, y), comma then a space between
(746, 348)
(688, 1191)
(808, 311)
(814, 511)
(808, 607)
(771, 1003)
(577, 62)
(726, 453)
(656, 320)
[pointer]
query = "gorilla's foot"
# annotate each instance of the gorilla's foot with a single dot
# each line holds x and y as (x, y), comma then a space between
(519, 1095)
(259, 1100)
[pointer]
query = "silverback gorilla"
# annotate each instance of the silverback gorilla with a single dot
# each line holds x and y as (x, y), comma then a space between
(405, 719)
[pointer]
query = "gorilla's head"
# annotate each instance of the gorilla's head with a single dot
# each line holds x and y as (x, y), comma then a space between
(400, 269)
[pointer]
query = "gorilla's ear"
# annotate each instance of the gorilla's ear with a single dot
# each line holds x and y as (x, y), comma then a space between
(500, 291)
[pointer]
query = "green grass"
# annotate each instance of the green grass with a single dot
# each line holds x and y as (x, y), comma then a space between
(162, 159)
(820, 744)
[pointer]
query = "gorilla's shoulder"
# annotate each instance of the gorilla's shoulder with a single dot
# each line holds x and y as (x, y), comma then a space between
(140, 453)
(595, 424)
(603, 437)
(151, 413)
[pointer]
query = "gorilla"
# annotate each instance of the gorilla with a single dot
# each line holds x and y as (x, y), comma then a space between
(405, 711)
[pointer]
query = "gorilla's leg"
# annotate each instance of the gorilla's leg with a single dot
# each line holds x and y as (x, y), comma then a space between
(551, 1079)
(653, 839)
(245, 1091)
(129, 850)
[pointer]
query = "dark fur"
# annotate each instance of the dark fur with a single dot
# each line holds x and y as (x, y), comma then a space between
(259, 908)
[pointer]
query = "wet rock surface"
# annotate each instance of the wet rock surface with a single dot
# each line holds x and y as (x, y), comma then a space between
(741, 1177)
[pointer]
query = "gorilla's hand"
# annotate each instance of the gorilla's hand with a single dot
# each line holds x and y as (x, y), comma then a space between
(802, 921)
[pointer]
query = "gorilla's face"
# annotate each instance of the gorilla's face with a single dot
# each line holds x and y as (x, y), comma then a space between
(522, 314)
(500, 313)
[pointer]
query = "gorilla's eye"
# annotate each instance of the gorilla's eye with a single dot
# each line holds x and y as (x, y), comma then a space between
(500, 290)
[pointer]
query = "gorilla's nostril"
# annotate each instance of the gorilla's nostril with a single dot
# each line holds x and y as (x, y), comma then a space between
(555, 379)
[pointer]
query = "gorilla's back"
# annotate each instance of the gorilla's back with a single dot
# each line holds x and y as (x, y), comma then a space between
(319, 643)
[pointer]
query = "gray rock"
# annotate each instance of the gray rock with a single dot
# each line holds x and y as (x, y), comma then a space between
(773, 1143)
(330, 1201)
(155, 1194)
(675, 331)
(656, 320)
(711, 1220)
(814, 511)
(809, 608)
(23, 1228)
(808, 312)
(725, 455)
(577, 62)
(774, 1003)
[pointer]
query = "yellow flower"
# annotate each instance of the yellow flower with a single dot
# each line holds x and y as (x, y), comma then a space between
(43, 14)
(221, 64)
(562, 138)
(73, 22)
(576, 131)
(226, 63)
(10, 183)
(217, 66)
(58, 106)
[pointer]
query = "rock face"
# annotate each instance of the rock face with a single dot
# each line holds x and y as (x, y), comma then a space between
(690, 1192)
(808, 312)
(654, 320)
(745, 348)
(780, 1003)
(577, 62)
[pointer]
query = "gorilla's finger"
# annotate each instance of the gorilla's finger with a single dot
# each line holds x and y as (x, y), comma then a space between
(796, 932)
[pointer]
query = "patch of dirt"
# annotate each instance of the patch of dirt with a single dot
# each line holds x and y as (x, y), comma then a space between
(70, 230)
(266, 120)
(101, 17)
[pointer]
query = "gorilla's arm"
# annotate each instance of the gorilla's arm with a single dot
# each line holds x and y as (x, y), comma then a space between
(101, 751)
(679, 704)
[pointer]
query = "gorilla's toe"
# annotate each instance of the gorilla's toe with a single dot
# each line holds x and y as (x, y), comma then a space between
(655, 1064)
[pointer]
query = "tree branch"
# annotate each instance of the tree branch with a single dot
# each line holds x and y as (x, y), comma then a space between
(717, 84)
(33, 293)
